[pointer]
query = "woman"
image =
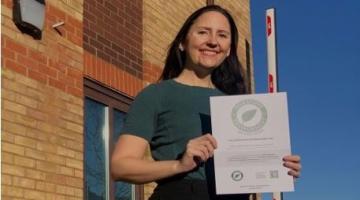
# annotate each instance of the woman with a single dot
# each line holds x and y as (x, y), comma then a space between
(172, 116)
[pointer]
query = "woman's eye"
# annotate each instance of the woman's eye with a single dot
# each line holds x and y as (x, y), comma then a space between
(223, 35)
(202, 32)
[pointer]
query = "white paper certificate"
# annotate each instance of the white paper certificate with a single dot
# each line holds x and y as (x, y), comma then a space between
(252, 132)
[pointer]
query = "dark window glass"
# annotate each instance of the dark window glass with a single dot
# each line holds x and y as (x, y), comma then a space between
(105, 110)
(95, 155)
(123, 191)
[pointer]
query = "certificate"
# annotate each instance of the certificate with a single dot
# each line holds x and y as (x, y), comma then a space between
(252, 132)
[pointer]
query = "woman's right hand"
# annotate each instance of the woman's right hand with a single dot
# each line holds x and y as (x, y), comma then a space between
(128, 163)
(199, 149)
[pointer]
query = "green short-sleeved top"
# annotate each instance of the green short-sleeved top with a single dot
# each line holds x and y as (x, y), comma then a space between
(168, 114)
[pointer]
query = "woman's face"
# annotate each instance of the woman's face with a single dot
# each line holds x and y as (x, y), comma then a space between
(208, 41)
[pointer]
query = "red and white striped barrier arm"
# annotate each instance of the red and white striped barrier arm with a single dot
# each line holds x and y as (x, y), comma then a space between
(272, 64)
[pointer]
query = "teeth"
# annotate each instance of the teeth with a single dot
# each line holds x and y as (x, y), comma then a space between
(209, 53)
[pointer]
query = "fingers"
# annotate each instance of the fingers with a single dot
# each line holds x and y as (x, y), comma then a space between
(207, 147)
(294, 174)
(292, 158)
(202, 147)
(211, 139)
(198, 155)
(293, 163)
(198, 150)
(206, 150)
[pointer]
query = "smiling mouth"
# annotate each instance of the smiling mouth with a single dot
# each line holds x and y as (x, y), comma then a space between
(209, 52)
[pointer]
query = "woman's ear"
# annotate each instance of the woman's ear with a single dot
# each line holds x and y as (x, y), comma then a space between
(228, 53)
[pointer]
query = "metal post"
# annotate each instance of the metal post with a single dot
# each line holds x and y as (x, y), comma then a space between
(272, 63)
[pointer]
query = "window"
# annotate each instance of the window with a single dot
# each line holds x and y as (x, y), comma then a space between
(105, 111)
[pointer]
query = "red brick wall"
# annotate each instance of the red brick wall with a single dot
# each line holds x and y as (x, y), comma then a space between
(56, 60)
(42, 106)
(113, 43)
(42, 140)
(113, 32)
(110, 75)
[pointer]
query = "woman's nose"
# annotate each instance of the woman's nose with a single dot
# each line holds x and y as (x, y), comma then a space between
(212, 41)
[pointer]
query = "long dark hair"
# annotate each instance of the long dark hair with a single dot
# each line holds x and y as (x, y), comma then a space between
(228, 76)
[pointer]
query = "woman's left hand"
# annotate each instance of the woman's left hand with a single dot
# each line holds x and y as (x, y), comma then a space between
(293, 163)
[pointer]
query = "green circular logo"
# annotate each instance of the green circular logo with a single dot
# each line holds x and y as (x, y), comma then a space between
(249, 116)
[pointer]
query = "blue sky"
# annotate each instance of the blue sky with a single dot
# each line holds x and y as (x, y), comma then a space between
(319, 67)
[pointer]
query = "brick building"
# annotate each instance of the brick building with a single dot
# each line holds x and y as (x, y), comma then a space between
(64, 97)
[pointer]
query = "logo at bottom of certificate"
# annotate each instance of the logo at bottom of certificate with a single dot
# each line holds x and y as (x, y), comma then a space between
(237, 175)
